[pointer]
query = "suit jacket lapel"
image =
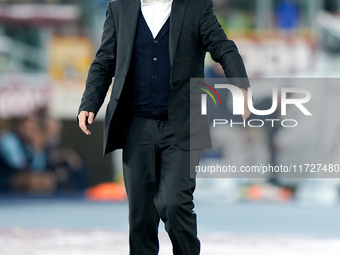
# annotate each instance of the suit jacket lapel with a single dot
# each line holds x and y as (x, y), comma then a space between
(178, 10)
(131, 13)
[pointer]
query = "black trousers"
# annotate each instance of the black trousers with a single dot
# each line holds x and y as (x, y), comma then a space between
(158, 185)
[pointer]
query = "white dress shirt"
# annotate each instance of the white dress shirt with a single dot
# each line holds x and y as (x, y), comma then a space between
(156, 14)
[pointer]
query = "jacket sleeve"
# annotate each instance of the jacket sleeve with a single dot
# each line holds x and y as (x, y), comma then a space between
(221, 49)
(102, 69)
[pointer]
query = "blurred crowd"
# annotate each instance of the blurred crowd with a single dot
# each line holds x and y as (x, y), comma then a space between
(276, 38)
(32, 158)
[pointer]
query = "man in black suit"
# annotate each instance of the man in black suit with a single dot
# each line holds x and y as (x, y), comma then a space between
(153, 48)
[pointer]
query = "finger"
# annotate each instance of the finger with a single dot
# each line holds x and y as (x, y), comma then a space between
(90, 118)
(246, 115)
(82, 122)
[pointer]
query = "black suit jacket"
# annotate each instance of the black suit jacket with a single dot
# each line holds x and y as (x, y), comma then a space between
(194, 30)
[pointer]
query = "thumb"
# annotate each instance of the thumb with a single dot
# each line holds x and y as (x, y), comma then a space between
(90, 118)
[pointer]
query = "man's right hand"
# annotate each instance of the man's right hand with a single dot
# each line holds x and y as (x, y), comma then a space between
(85, 118)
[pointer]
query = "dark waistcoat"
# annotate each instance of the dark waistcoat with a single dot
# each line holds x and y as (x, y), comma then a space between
(149, 73)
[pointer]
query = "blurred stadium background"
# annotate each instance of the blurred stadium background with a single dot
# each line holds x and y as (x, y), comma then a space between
(66, 198)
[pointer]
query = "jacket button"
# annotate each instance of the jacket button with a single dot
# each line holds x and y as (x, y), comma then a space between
(155, 59)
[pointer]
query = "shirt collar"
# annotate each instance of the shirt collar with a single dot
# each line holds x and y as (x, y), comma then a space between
(148, 2)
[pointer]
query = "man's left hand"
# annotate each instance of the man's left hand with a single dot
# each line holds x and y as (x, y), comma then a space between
(246, 108)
